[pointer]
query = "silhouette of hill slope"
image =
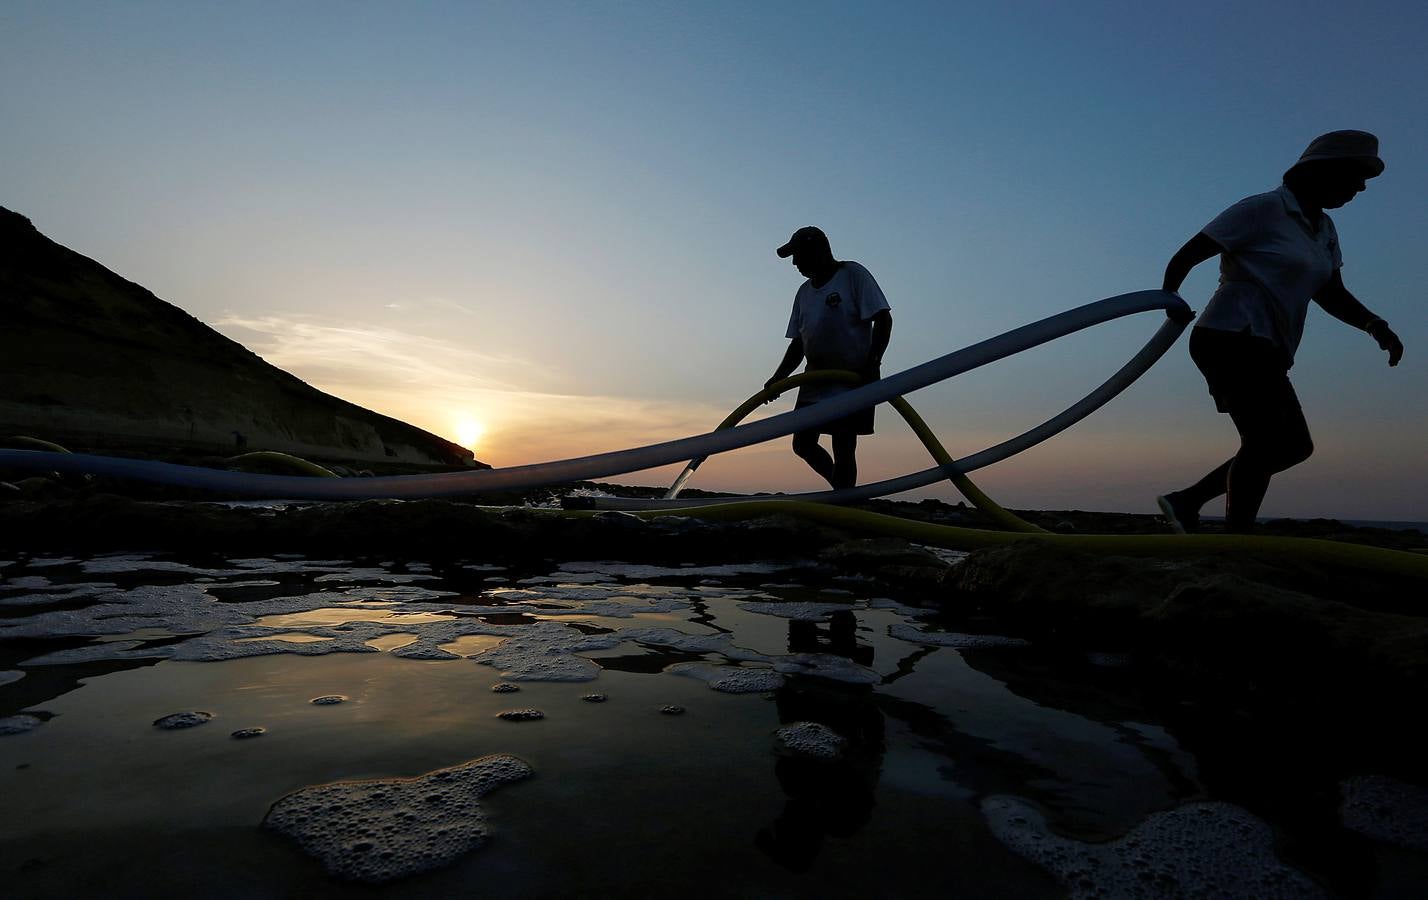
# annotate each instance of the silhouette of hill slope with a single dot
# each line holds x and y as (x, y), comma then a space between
(96, 362)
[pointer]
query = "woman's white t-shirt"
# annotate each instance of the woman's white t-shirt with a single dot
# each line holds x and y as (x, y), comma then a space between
(1273, 265)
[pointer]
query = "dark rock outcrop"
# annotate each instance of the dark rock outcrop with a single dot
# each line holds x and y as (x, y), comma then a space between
(96, 362)
(1303, 633)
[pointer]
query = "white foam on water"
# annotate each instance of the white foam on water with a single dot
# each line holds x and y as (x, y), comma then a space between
(44, 562)
(1196, 850)
(730, 679)
(181, 720)
(19, 724)
(27, 583)
(244, 734)
(504, 687)
(619, 607)
(1386, 809)
(10, 676)
(902, 609)
(527, 714)
(544, 651)
(802, 611)
(812, 739)
(562, 578)
(643, 572)
(826, 665)
(819, 665)
(329, 699)
(904, 631)
(384, 829)
(380, 576)
(58, 593)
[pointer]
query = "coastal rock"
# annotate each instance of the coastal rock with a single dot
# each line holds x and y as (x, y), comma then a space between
(1289, 629)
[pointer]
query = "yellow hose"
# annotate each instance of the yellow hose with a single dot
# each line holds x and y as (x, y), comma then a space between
(1357, 556)
(22, 442)
(929, 440)
(1411, 563)
(273, 459)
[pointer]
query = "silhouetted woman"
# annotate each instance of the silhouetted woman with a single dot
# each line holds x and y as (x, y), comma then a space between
(1278, 251)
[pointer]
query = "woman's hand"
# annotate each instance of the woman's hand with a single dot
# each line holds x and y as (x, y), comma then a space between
(1388, 341)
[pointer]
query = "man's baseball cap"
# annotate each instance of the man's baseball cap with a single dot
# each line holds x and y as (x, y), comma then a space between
(1354, 146)
(807, 236)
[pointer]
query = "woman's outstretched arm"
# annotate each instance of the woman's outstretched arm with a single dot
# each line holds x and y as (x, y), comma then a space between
(1344, 306)
(1196, 250)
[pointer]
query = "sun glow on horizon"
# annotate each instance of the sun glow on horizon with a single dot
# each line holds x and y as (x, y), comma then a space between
(469, 432)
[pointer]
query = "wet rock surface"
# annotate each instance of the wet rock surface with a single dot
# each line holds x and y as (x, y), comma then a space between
(1268, 631)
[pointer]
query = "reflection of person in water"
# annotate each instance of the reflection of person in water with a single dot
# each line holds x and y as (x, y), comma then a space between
(825, 797)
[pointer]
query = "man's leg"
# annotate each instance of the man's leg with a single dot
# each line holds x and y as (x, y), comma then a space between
(845, 460)
(806, 447)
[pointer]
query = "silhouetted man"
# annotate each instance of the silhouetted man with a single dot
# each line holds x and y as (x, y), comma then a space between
(840, 320)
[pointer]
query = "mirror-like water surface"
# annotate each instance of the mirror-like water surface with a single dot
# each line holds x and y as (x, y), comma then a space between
(960, 763)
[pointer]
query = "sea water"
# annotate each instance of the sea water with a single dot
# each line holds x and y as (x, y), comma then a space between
(173, 727)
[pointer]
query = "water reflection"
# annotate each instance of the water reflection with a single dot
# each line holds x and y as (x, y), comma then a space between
(825, 798)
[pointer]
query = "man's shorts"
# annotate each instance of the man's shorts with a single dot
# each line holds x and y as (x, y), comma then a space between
(1246, 374)
(860, 422)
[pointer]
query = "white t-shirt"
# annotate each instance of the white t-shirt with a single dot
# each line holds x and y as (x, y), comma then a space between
(1273, 265)
(835, 322)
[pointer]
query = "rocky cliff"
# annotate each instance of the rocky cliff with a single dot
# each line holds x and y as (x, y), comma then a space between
(96, 362)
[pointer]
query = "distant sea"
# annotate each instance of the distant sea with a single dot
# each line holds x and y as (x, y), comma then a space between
(1396, 526)
(1357, 523)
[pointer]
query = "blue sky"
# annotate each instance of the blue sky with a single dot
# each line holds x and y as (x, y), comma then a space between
(555, 222)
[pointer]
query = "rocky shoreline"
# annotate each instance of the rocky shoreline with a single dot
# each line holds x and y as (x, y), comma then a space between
(1271, 634)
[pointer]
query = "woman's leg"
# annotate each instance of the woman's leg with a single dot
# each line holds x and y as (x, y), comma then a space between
(1271, 440)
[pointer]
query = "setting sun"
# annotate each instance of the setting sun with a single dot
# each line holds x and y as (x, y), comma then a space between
(468, 432)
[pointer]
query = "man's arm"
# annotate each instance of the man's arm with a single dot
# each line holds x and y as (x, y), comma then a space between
(791, 358)
(1344, 306)
(882, 333)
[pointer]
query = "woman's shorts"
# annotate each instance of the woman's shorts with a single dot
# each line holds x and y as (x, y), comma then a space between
(1246, 374)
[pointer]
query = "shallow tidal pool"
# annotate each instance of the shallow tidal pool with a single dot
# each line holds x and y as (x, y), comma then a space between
(750, 730)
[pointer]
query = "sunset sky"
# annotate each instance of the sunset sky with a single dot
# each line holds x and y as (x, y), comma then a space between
(548, 229)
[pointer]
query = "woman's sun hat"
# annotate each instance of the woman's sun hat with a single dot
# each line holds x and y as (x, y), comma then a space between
(1356, 146)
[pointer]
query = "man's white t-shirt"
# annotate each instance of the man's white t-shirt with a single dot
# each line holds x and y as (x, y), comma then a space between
(1273, 265)
(835, 322)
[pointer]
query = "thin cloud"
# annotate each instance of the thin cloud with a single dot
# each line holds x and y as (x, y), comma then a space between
(435, 384)
(374, 355)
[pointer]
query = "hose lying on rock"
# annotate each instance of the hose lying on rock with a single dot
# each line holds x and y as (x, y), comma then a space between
(885, 390)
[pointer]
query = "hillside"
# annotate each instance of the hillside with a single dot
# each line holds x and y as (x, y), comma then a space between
(96, 362)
